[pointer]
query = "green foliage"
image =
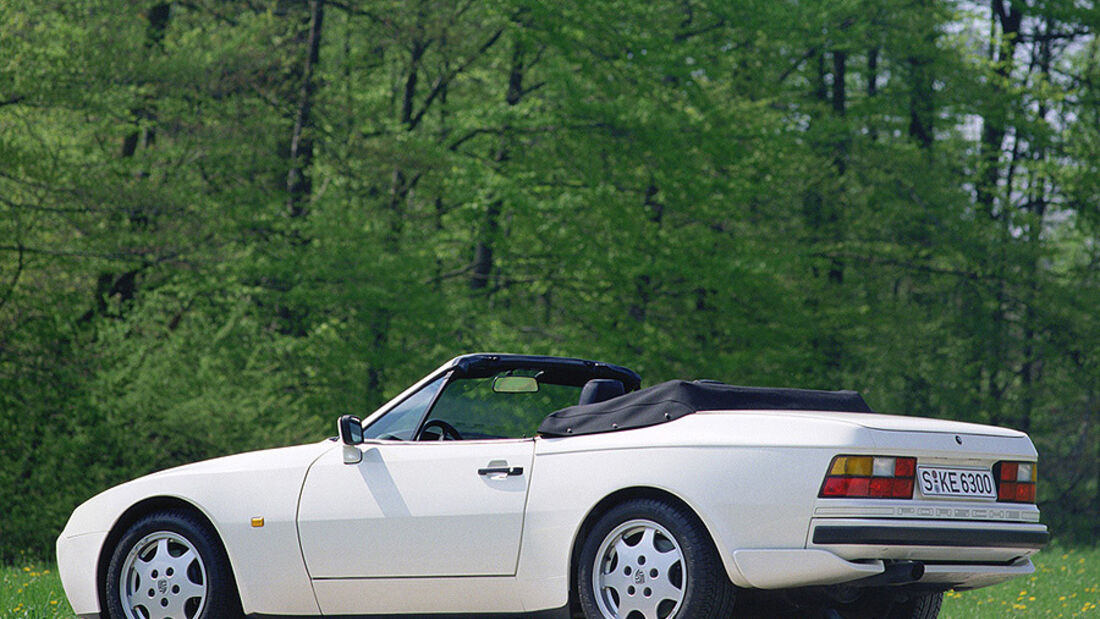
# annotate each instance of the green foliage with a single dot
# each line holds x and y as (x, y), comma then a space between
(1066, 584)
(224, 224)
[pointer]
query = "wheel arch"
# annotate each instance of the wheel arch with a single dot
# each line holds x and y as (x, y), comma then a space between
(617, 498)
(134, 513)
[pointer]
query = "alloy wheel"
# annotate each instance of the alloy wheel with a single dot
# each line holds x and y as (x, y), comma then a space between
(163, 577)
(639, 572)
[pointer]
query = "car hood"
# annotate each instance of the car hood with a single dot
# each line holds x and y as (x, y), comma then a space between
(267, 459)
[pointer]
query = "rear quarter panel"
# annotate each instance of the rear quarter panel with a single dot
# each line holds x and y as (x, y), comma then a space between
(752, 477)
(751, 480)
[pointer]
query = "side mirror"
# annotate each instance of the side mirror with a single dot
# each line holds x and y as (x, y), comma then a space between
(350, 428)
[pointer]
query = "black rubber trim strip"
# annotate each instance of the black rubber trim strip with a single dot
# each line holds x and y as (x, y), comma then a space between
(910, 536)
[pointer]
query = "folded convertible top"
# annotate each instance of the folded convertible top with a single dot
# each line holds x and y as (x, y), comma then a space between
(676, 398)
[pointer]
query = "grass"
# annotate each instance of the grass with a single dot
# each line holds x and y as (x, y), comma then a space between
(1066, 583)
(32, 592)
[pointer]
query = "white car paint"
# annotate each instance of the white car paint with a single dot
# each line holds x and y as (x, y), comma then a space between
(229, 491)
(415, 510)
(413, 528)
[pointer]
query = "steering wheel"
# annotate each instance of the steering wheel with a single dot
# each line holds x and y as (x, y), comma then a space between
(446, 430)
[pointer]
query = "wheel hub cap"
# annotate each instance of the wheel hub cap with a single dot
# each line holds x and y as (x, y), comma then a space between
(639, 572)
(163, 577)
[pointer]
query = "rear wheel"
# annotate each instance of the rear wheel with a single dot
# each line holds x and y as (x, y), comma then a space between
(170, 565)
(884, 606)
(648, 559)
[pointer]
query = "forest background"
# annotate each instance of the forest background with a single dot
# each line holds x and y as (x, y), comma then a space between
(223, 224)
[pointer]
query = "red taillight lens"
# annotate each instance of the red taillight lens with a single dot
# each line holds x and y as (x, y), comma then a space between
(905, 467)
(835, 486)
(875, 477)
(1016, 481)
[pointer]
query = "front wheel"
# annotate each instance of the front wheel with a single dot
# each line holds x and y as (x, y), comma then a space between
(170, 565)
(649, 559)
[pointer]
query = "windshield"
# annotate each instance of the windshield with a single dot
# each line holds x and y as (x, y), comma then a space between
(401, 421)
(477, 411)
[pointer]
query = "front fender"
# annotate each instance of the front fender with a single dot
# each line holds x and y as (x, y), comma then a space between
(266, 561)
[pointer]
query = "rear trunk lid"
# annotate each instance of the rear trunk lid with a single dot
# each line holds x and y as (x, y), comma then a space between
(900, 423)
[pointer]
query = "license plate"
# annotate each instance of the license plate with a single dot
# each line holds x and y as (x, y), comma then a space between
(936, 481)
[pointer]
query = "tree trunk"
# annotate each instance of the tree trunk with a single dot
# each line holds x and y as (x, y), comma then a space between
(921, 107)
(299, 184)
(483, 250)
(124, 286)
(1002, 50)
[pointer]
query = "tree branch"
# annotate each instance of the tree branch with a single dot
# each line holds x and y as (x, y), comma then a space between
(14, 278)
(687, 34)
(924, 268)
(444, 80)
(794, 67)
(350, 10)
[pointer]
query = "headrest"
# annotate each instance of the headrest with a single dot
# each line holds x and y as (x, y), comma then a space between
(600, 390)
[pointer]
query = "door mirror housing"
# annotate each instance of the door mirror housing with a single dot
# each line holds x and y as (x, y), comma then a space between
(350, 428)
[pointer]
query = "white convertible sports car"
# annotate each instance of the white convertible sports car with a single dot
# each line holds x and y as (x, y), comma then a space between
(508, 485)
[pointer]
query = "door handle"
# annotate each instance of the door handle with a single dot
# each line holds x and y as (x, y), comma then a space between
(501, 470)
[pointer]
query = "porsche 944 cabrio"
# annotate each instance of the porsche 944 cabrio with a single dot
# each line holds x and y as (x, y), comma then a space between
(512, 485)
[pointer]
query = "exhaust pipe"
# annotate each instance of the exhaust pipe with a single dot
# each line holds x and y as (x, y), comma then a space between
(900, 573)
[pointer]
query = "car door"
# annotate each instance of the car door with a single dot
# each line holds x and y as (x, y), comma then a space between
(416, 509)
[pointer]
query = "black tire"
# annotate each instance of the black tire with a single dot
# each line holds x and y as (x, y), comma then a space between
(705, 591)
(173, 565)
(918, 607)
(886, 606)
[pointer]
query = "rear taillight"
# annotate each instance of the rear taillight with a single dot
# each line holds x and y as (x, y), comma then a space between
(869, 477)
(1015, 481)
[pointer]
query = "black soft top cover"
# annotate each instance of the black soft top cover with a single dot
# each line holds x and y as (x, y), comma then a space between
(676, 398)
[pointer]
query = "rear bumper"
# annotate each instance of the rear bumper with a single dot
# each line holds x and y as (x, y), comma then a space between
(932, 541)
(788, 569)
(996, 536)
(963, 577)
(954, 553)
